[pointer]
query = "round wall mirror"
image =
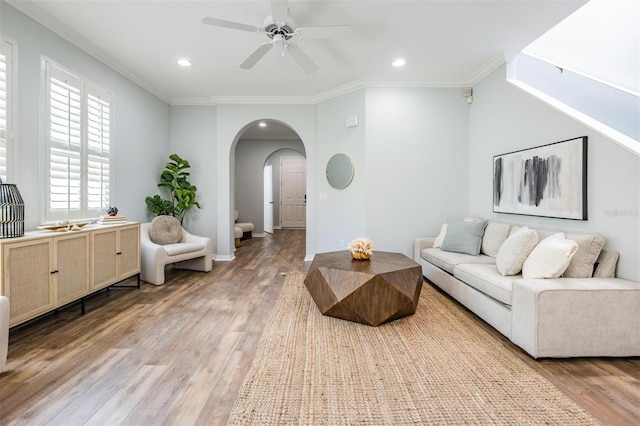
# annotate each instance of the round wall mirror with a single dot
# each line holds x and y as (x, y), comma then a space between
(340, 171)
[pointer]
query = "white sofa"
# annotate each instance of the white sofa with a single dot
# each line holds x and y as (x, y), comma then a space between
(190, 252)
(592, 315)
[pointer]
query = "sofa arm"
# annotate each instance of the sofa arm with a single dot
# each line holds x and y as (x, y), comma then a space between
(421, 244)
(573, 317)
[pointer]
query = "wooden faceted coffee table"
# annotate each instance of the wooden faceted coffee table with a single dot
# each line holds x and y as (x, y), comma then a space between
(375, 291)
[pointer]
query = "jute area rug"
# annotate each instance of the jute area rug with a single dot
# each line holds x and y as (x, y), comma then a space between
(434, 367)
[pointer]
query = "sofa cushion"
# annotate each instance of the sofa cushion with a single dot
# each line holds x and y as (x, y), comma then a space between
(181, 248)
(447, 260)
(486, 279)
(582, 263)
(165, 230)
(245, 226)
(550, 257)
(514, 251)
(494, 235)
(606, 264)
(464, 237)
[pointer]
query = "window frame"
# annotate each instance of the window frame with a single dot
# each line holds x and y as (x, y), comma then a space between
(88, 93)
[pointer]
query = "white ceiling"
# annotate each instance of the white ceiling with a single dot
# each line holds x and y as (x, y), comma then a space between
(445, 43)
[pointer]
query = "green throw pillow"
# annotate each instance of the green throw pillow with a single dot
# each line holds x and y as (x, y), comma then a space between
(464, 237)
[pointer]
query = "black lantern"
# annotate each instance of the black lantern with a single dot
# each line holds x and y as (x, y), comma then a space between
(11, 211)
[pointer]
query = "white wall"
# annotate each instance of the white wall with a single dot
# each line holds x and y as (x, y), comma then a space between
(341, 213)
(505, 119)
(193, 137)
(141, 120)
(417, 156)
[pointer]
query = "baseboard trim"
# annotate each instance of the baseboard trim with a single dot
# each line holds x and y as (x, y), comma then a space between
(224, 258)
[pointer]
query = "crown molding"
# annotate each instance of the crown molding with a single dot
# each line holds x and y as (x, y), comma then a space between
(486, 69)
(44, 18)
(324, 96)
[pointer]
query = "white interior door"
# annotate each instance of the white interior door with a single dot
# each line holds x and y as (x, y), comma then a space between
(268, 199)
(293, 194)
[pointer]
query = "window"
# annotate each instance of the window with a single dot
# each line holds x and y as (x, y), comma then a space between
(6, 108)
(77, 146)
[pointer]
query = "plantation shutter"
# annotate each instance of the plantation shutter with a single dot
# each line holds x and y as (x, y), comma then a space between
(5, 63)
(64, 145)
(78, 146)
(98, 149)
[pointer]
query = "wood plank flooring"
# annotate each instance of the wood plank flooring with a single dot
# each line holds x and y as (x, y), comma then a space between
(177, 354)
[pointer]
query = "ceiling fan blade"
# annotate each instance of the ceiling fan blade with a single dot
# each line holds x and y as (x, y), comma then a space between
(257, 54)
(324, 32)
(229, 24)
(302, 59)
(279, 11)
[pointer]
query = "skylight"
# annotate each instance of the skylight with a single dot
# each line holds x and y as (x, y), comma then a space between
(588, 67)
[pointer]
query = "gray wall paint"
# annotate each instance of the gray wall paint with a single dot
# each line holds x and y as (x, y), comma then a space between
(341, 213)
(505, 119)
(141, 120)
(417, 154)
(192, 136)
(251, 157)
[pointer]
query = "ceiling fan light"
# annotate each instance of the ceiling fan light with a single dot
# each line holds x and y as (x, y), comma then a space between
(183, 62)
(398, 62)
(262, 124)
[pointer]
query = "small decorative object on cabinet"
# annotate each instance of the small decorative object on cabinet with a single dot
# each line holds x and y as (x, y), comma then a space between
(11, 211)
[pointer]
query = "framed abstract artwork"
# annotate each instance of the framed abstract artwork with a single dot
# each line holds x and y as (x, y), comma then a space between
(548, 180)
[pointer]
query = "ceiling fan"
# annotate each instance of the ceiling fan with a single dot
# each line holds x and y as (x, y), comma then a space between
(281, 31)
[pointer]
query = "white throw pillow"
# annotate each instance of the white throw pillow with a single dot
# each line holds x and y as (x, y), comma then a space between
(550, 258)
(440, 238)
(515, 250)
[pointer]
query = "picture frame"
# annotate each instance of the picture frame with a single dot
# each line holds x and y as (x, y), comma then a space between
(548, 180)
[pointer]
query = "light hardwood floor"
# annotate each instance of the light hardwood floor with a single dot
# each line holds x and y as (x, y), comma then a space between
(177, 354)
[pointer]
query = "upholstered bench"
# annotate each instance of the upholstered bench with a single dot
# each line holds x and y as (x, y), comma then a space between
(246, 227)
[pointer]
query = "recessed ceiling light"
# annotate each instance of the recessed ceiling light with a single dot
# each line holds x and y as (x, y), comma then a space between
(262, 124)
(184, 62)
(398, 62)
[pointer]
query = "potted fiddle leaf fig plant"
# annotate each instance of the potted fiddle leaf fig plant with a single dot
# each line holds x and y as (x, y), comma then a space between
(182, 194)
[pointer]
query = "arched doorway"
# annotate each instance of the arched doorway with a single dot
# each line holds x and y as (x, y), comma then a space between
(260, 143)
(231, 121)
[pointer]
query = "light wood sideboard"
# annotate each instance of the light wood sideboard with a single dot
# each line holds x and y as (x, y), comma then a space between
(45, 270)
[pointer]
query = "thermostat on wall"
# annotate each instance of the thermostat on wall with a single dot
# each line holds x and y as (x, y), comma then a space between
(352, 121)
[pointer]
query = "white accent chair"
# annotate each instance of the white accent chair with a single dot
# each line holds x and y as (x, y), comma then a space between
(4, 331)
(190, 252)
